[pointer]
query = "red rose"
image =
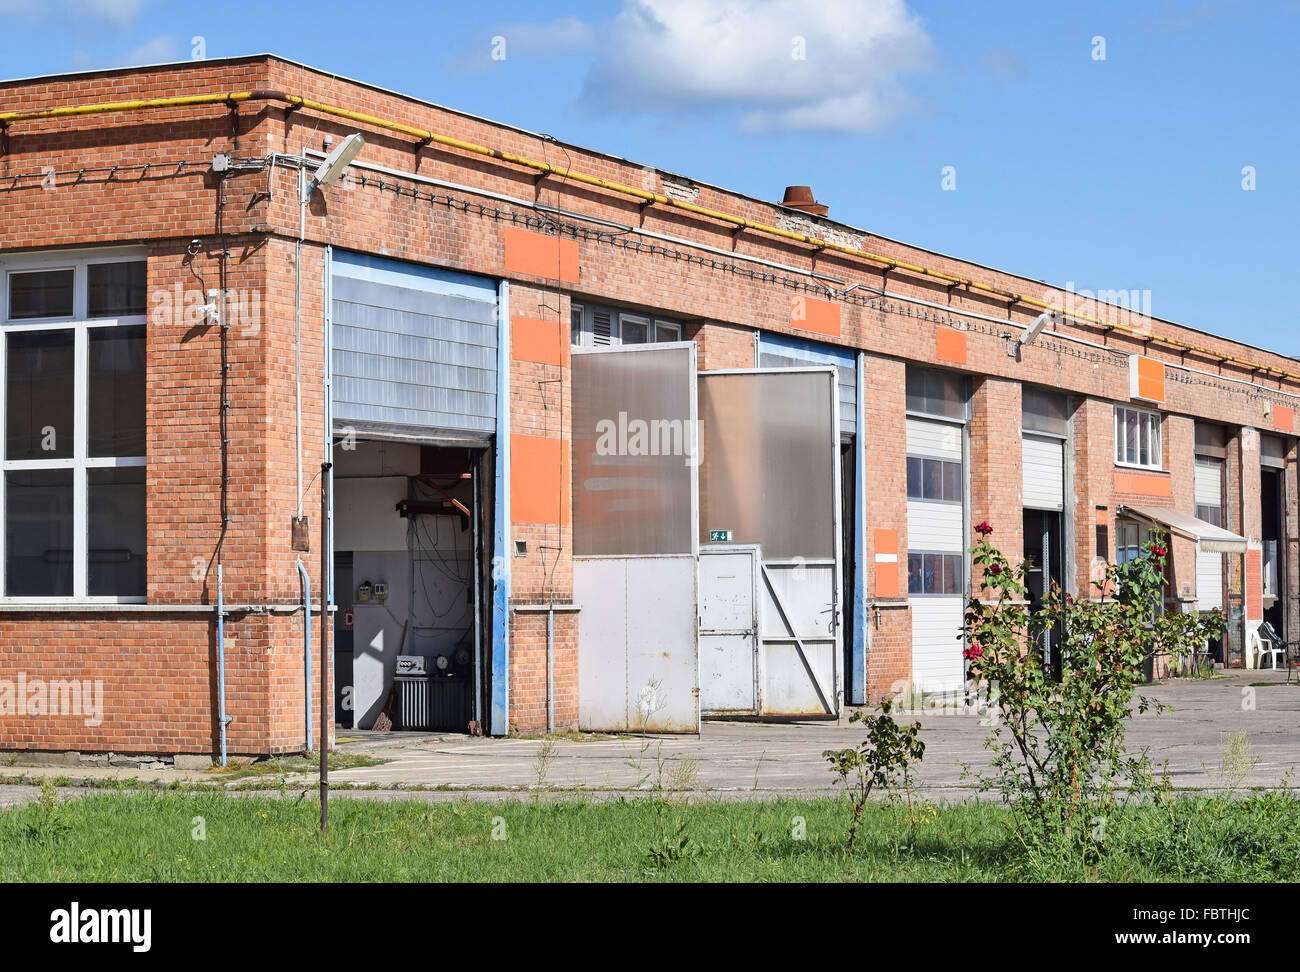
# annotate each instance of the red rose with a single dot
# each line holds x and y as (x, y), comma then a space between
(983, 528)
(974, 651)
(995, 569)
(1158, 550)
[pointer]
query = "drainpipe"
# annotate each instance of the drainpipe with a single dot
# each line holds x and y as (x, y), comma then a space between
(306, 646)
(221, 663)
(297, 341)
(550, 668)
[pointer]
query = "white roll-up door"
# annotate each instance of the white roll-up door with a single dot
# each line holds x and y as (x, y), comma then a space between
(936, 528)
(1044, 473)
(1207, 485)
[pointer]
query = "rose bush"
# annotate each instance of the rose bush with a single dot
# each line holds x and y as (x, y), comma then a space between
(1059, 758)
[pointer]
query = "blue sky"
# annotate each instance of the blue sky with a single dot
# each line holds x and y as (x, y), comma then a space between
(1122, 173)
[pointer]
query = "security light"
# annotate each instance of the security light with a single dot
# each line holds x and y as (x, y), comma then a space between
(1031, 333)
(337, 161)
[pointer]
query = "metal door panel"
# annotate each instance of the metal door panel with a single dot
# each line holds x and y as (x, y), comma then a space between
(728, 630)
(662, 656)
(600, 586)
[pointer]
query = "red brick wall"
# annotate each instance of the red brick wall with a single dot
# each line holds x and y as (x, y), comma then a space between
(722, 300)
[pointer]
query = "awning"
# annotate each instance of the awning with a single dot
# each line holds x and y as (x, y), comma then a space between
(1207, 536)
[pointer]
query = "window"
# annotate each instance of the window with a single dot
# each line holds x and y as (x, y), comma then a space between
(1211, 441)
(934, 573)
(933, 479)
(594, 326)
(1129, 538)
(1137, 438)
(1043, 411)
(72, 411)
(940, 393)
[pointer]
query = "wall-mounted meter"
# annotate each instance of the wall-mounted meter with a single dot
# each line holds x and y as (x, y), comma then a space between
(364, 592)
(381, 591)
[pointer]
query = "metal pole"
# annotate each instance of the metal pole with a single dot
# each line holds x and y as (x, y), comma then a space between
(324, 644)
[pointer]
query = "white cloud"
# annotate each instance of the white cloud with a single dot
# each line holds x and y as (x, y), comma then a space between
(555, 38)
(119, 12)
(666, 56)
(156, 50)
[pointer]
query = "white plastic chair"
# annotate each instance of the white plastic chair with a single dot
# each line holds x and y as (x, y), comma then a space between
(1258, 640)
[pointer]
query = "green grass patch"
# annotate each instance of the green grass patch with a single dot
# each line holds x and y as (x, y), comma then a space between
(297, 763)
(168, 836)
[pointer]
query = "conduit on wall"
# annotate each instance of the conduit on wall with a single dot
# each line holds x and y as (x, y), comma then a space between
(426, 137)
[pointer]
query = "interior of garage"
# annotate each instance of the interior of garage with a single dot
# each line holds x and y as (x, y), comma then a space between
(409, 527)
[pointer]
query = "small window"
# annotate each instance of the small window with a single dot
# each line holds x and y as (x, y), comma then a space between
(935, 573)
(1137, 438)
(1211, 441)
(575, 323)
(940, 393)
(636, 330)
(933, 479)
(667, 331)
(40, 293)
(1210, 514)
(116, 289)
(1043, 411)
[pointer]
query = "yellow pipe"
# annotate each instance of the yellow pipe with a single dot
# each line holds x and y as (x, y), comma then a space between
(431, 137)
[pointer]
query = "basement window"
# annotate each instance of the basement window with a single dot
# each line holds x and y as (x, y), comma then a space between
(72, 414)
(1137, 438)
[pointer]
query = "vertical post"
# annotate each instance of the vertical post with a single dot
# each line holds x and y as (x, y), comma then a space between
(324, 644)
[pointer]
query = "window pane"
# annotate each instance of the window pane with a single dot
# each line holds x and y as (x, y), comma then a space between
(575, 325)
(38, 395)
(117, 391)
(1155, 439)
(115, 510)
(913, 478)
(1043, 411)
(667, 332)
(952, 482)
(635, 331)
(1130, 436)
(914, 568)
(930, 569)
(1210, 514)
(115, 289)
(40, 293)
(1144, 440)
(936, 393)
(932, 471)
(1119, 435)
(951, 574)
(38, 533)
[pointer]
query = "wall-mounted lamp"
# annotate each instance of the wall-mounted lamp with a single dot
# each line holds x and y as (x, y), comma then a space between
(1031, 333)
(335, 163)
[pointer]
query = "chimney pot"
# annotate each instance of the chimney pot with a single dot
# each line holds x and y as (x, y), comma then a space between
(801, 198)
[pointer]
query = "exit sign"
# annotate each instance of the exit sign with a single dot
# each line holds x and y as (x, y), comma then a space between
(719, 536)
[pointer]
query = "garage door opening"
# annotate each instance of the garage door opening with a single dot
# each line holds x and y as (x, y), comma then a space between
(409, 582)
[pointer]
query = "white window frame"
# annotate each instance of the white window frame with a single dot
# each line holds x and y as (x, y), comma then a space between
(651, 323)
(1155, 438)
(81, 325)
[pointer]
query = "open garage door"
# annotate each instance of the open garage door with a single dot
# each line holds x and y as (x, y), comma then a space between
(769, 480)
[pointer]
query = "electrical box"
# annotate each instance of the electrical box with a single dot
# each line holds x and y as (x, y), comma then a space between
(364, 592)
(381, 592)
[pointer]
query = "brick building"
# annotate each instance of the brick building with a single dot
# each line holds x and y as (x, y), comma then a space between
(846, 405)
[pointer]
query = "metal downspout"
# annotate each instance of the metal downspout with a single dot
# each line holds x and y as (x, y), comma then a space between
(306, 646)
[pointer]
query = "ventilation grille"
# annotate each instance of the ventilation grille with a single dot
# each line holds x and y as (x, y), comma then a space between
(600, 327)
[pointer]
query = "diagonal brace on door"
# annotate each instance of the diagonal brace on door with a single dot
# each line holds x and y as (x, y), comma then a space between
(798, 642)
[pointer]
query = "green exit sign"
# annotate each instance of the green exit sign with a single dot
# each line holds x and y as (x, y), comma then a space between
(719, 536)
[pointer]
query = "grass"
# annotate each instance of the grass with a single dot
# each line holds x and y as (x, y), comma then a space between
(297, 763)
(151, 836)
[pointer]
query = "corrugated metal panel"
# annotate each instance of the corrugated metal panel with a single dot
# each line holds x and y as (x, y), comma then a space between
(1209, 580)
(936, 644)
(934, 526)
(780, 352)
(938, 440)
(414, 348)
(1208, 482)
(1044, 473)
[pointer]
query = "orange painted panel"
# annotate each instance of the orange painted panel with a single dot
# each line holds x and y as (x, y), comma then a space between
(1254, 585)
(540, 341)
(886, 565)
(539, 480)
(1146, 378)
(538, 255)
(1144, 484)
(1283, 418)
(810, 314)
(950, 345)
